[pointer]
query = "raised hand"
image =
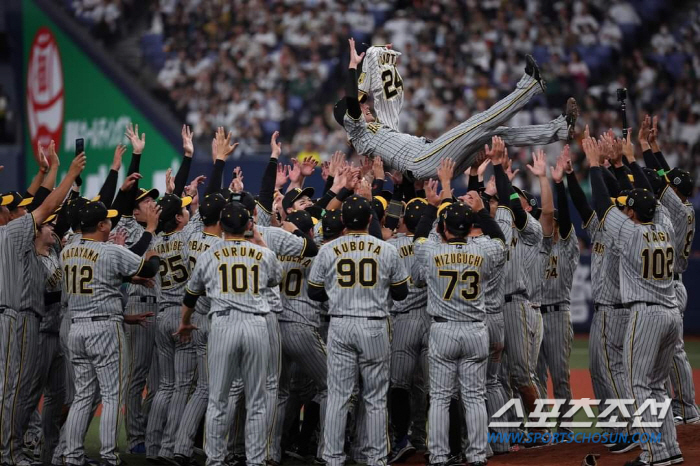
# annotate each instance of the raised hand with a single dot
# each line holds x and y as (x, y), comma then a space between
(275, 146)
(628, 147)
(364, 189)
(169, 181)
(590, 148)
(340, 179)
(497, 152)
(324, 170)
(654, 134)
(187, 145)
(282, 175)
(191, 189)
(490, 188)
(308, 166)
(355, 59)
(446, 170)
(644, 130)
(295, 172)
(508, 167)
(41, 158)
(137, 142)
(396, 177)
(431, 192)
(337, 162)
(130, 181)
(53, 156)
(152, 214)
(482, 167)
(378, 168)
(539, 164)
(117, 159)
(474, 201)
(558, 169)
(237, 181)
(77, 165)
(353, 179)
(224, 148)
(366, 165)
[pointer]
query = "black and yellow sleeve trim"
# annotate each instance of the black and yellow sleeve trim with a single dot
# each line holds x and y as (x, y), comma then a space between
(303, 250)
(602, 220)
(260, 206)
(527, 220)
(192, 293)
(317, 285)
(588, 222)
(353, 119)
(405, 280)
(663, 191)
(143, 262)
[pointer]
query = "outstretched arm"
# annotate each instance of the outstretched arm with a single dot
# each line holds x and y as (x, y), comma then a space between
(183, 173)
(539, 169)
(351, 94)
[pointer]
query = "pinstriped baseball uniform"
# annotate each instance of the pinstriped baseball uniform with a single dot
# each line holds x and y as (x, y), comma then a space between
(302, 345)
(28, 321)
(233, 275)
(177, 361)
(521, 322)
(92, 274)
(16, 239)
(455, 273)
(356, 272)
(404, 152)
(197, 403)
(556, 316)
(381, 79)
(682, 216)
(646, 286)
(493, 295)
(141, 343)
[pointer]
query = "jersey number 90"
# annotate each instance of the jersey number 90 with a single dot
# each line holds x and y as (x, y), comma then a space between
(351, 273)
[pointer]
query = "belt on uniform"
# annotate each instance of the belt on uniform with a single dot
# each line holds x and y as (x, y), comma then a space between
(326, 318)
(31, 311)
(646, 303)
(143, 299)
(442, 320)
(551, 308)
(226, 313)
(92, 319)
(597, 307)
(509, 297)
(3, 309)
(356, 317)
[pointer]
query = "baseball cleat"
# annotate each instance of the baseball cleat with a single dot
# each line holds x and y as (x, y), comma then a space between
(571, 117)
(139, 449)
(664, 462)
(623, 447)
(677, 420)
(676, 459)
(533, 70)
(401, 451)
(693, 420)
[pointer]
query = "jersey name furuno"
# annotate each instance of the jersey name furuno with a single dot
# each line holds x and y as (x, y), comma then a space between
(92, 275)
(381, 79)
(296, 304)
(16, 239)
(233, 275)
(646, 259)
(356, 271)
(456, 274)
(417, 297)
(194, 249)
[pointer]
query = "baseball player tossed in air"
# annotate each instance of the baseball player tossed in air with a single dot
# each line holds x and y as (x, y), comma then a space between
(418, 156)
(648, 292)
(455, 272)
(233, 274)
(93, 272)
(357, 273)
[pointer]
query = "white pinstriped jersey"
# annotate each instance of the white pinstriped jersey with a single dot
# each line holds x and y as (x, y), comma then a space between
(493, 286)
(54, 283)
(682, 215)
(264, 217)
(559, 270)
(194, 249)
(646, 259)
(92, 274)
(134, 231)
(397, 150)
(381, 79)
(605, 265)
(233, 274)
(536, 258)
(282, 243)
(16, 239)
(456, 274)
(517, 268)
(417, 297)
(174, 271)
(296, 304)
(356, 271)
(34, 280)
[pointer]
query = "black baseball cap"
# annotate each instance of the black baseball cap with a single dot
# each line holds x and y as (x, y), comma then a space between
(302, 219)
(332, 224)
(14, 200)
(458, 218)
(657, 183)
(386, 195)
(94, 212)
(681, 180)
(339, 110)
(211, 207)
(412, 213)
(235, 217)
(293, 195)
(171, 205)
(144, 193)
(379, 205)
(642, 202)
(530, 199)
(245, 198)
(357, 212)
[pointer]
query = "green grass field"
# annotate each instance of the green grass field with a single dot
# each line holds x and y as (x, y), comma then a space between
(579, 360)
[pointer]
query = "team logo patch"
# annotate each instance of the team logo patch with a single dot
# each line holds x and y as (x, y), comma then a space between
(630, 202)
(676, 180)
(361, 79)
(533, 202)
(45, 100)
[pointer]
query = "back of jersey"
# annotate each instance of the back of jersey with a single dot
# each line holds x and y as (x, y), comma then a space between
(174, 271)
(456, 274)
(92, 275)
(195, 248)
(296, 304)
(356, 271)
(233, 275)
(417, 297)
(493, 285)
(381, 79)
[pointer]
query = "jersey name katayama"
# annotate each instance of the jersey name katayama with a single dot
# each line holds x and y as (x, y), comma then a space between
(458, 258)
(368, 246)
(80, 253)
